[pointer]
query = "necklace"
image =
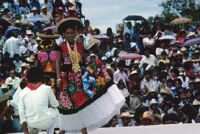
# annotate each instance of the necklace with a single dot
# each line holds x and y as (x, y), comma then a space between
(75, 58)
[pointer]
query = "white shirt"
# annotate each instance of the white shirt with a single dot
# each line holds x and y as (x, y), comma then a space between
(33, 106)
(17, 65)
(86, 40)
(47, 16)
(32, 15)
(150, 84)
(152, 60)
(160, 50)
(60, 40)
(118, 75)
(33, 48)
(14, 102)
(148, 41)
(12, 46)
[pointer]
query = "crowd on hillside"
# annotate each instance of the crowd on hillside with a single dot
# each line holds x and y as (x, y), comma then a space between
(160, 87)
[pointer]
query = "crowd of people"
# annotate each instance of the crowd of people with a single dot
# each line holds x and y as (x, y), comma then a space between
(160, 85)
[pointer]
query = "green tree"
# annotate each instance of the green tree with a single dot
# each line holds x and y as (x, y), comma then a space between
(181, 8)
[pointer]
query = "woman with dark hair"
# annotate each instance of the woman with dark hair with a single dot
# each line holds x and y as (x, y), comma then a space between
(37, 104)
(46, 57)
(82, 88)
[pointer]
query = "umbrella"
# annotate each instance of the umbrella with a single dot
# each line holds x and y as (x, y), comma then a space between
(10, 29)
(35, 19)
(191, 42)
(93, 42)
(131, 56)
(134, 17)
(167, 37)
(181, 20)
(101, 36)
(52, 28)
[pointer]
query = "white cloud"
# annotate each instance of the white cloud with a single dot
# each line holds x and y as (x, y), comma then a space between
(107, 13)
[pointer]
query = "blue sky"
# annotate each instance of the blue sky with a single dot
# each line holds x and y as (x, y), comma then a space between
(107, 13)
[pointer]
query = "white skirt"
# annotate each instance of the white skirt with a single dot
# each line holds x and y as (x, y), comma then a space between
(95, 115)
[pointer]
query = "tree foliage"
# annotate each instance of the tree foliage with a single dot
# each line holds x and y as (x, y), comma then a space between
(180, 8)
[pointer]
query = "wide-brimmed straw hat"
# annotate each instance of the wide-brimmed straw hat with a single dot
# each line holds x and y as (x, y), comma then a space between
(34, 9)
(152, 102)
(196, 103)
(69, 22)
(5, 96)
(47, 36)
(126, 114)
(146, 115)
(72, 2)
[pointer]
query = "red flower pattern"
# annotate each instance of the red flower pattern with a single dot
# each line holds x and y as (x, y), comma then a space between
(63, 81)
(70, 76)
(80, 98)
(65, 101)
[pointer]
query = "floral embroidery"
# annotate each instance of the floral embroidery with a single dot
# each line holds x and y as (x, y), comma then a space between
(64, 100)
(67, 60)
(77, 78)
(42, 56)
(64, 49)
(63, 81)
(100, 81)
(80, 98)
(53, 55)
(70, 76)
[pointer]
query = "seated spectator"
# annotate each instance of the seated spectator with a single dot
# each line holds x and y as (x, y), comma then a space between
(126, 120)
(149, 59)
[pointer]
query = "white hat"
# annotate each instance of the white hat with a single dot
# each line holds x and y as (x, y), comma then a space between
(196, 102)
(3, 86)
(104, 58)
(153, 101)
(136, 61)
(183, 49)
(88, 58)
(43, 7)
(10, 81)
(72, 2)
(34, 9)
(152, 90)
(126, 114)
(191, 34)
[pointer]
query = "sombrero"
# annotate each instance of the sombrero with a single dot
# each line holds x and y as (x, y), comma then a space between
(5, 96)
(46, 36)
(69, 22)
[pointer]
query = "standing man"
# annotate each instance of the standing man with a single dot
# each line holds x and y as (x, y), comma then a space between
(129, 29)
(12, 45)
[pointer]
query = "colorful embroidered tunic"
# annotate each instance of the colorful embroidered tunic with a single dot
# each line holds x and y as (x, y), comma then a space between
(80, 89)
(47, 62)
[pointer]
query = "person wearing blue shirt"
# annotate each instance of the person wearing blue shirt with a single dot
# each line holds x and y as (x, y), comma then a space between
(36, 4)
(129, 29)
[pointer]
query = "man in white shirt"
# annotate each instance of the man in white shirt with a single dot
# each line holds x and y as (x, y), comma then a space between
(34, 13)
(12, 44)
(149, 42)
(147, 83)
(48, 4)
(46, 15)
(120, 74)
(86, 38)
(37, 104)
(150, 59)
